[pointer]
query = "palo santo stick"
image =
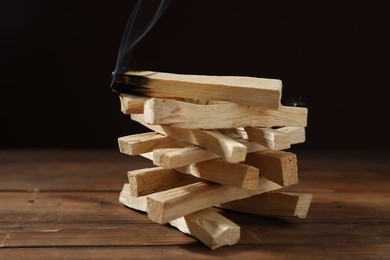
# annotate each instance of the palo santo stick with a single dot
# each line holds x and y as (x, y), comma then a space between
(253, 91)
(220, 115)
(132, 104)
(229, 149)
(275, 139)
(277, 166)
(222, 172)
(210, 227)
(279, 204)
(296, 135)
(170, 204)
(150, 180)
(178, 157)
(267, 137)
(218, 171)
(146, 142)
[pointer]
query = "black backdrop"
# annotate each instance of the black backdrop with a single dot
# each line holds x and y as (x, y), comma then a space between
(57, 57)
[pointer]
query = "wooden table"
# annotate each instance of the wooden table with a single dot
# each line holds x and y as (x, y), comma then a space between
(64, 204)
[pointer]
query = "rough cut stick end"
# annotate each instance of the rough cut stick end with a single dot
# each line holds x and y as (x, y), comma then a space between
(137, 203)
(210, 227)
(303, 205)
(155, 210)
(145, 142)
(278, 166)
(151, 180)
(132, 104)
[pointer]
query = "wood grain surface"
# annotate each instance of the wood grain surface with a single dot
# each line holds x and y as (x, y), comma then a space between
(64, 204)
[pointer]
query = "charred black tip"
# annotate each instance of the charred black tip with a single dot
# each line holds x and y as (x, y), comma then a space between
(116, 83)
(128, 84)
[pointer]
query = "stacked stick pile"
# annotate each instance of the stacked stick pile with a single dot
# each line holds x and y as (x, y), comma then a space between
(216, 142)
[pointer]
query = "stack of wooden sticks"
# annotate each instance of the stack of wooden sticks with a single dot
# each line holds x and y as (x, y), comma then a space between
(216, 143)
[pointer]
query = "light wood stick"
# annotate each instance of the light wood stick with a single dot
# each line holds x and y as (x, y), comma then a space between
(150, 180)
(170, 204)
(296, 135)
(280, 204)
(178, 157)
(277, 166)
(132, 104)
(229, 149)
(253, 91)
(216, 170)
(222, 172)
(275, 139)
(220, 115)
(267, 137)
(210, 227)
(146, 142)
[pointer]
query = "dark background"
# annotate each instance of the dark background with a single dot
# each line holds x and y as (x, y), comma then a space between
(57, 58)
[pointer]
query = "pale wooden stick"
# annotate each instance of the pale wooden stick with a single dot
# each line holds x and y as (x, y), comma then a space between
(220, 115)
(276, 139)
(267, 137)
(296, 134)
(222, 172)
(216, 170)
(210, 227)
(277, 166)
(273, 204)
(247, 90)
(146, 142)
(229, 149)
(132, 104)
(178, 157)
(170, 204)
(150, 180)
